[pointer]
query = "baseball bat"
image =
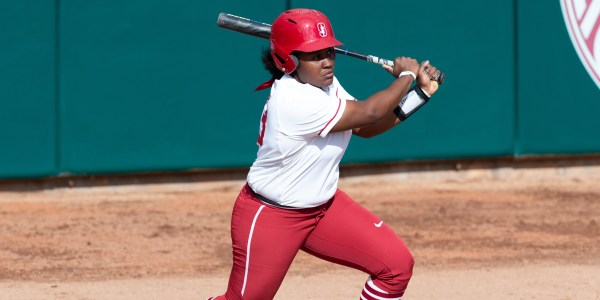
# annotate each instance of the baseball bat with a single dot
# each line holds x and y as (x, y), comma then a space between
(263, 30)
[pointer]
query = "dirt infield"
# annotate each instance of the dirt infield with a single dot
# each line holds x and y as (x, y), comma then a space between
(472, 237)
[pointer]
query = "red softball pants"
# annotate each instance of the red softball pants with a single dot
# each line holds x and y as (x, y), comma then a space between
(266, 238)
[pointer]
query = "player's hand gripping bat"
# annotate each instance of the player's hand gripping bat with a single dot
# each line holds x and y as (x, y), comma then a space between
(263, 30)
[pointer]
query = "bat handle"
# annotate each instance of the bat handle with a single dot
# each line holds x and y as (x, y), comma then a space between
(380, 61)
(387, 62)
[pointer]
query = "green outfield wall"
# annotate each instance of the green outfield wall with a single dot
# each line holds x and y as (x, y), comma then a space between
(101, 87)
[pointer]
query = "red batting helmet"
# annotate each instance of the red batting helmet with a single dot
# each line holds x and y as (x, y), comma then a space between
(299, 29)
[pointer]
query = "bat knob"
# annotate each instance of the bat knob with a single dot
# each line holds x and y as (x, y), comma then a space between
(440, 79)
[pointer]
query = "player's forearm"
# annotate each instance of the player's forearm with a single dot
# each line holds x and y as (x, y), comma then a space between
(380, 104)
(410, 103)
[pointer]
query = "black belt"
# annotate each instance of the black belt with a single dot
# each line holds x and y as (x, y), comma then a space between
(267, 200)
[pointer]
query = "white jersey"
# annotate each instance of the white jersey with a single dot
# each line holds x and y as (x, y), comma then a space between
(297, 164)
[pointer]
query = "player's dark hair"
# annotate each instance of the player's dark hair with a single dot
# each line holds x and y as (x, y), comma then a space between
(269, 64)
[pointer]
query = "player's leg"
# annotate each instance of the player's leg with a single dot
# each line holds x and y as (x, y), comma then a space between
(265, 240)
(350, 235)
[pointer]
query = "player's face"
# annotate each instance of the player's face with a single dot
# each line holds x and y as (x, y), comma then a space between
(316, 68)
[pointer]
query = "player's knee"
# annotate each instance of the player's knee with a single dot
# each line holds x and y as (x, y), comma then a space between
(403, 266)
(393, 281)
(400, 270)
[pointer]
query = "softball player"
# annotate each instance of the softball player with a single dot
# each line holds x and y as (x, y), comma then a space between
(291, 201)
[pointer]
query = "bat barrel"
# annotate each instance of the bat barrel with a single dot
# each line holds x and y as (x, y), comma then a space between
(244, 25)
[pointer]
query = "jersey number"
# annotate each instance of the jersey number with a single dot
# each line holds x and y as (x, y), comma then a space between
(263, 124)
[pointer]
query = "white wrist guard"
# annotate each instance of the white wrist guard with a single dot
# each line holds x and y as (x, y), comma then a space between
(411, 102)
(414, 76)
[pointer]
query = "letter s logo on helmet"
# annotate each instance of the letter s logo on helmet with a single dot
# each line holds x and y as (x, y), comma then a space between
(322, 29)
(299, 29)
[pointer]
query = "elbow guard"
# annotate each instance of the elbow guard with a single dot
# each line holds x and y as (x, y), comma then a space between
(411, 102)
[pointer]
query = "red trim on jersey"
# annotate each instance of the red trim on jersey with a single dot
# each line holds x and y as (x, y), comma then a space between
(336, 112)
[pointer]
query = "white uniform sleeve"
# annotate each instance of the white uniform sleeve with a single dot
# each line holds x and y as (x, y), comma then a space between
(342, 94)
(311, 113)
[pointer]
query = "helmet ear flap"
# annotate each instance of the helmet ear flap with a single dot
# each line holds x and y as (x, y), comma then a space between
(278, 60)
(295, 60)
(287, 64)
